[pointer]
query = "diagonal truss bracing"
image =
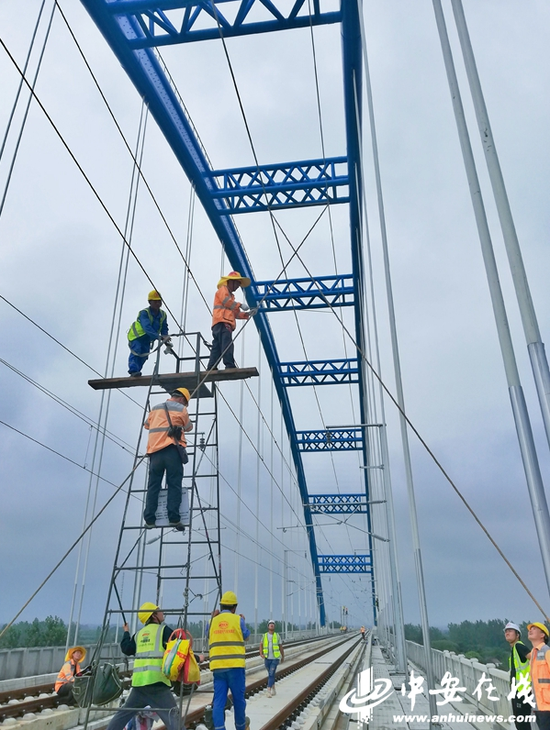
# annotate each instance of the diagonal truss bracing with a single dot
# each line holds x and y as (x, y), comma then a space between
(132, 28)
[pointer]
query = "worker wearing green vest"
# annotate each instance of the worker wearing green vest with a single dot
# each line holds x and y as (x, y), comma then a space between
(518, 663)
(150, 686)
(271, 649)
(149, 327)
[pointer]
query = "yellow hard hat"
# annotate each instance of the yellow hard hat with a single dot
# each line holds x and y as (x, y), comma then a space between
(540, 626)
(244, 281)
(71, 651)
(184, 392)
(146, 610)
(229, 599)
(154, 296)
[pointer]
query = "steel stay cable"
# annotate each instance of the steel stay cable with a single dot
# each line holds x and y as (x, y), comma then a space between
(137, 164)
(82, 171)
(75, 543)
(426, 447)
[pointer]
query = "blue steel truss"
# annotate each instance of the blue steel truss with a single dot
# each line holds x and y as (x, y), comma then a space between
(345, 564)
(338, 504)
(165, 22)
(341, 439)
(296, 184)
(318, 293)
(319, 372)
(132, 28)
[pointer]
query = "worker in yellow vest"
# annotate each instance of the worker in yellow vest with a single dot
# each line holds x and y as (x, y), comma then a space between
(271, 649)
(226, 636)
(150, 686)
(65, 679)
(149, 326)
(518, 663)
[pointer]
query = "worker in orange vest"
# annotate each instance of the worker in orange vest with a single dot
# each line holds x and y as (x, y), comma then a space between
(167, 424)
(225, 313)
(537, 634)
(65, 678)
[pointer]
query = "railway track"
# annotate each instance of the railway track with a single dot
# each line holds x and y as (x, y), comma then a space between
(17, 703)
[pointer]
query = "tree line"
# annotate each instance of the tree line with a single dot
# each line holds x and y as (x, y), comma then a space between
(481, 640)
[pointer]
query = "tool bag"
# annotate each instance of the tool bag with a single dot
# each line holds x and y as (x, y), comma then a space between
(98, 684)
(179, 663)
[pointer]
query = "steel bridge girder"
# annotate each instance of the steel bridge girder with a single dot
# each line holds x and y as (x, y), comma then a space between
(285, 185)
(338, 504)
(168, 22)
(345, 564)
(341, 439)
(320, 292)
(319, 372)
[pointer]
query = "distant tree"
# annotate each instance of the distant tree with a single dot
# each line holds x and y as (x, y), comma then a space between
(413, 633)
(444, 645)
(11, 639)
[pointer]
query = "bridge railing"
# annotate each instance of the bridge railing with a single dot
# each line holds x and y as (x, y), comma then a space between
(470, 673)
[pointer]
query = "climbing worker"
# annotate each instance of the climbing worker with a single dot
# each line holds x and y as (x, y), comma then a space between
(149, 326)
(167, 424)
(226, 312)
(518, 663)
(271, 649)
(226, 636)
(65, 679)
(537, 633)
(150, 686)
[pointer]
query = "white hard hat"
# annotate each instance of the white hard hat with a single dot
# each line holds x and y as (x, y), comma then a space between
(511, 625)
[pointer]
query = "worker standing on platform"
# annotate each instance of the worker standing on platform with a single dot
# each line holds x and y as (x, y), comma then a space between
(225, 313)
(537, 634)
(150, 686)
(149, 326)
(271, 649)
(363, 633)
(65, 679)
(226, 636)
(518, 663)
(167, 424)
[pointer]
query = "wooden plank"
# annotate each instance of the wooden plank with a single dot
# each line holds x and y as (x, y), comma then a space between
(172, 381)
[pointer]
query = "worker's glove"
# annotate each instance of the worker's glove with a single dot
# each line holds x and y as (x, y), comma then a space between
(253, 311)
(244, 307)
(166, 339)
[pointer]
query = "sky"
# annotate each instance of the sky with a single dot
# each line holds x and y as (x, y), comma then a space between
(60, 256)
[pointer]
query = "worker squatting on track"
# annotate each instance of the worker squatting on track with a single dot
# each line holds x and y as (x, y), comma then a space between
(271, 649)
(167, 424)
(150, 326)
(65, 679)
(150, 686)
(226, 636)
(225, 313)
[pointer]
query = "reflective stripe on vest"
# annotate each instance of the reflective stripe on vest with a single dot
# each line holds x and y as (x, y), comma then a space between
(275, 645)
(540, 677)
(225, 642)
(136, 330)
(149, 655)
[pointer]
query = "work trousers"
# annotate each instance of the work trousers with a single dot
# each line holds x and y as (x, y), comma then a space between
(271, 667)
(222, 347)
(139, 352)
(156, 696)
(65, 693)
(229, 679)
(165, 460)
(523, 709)
(543, 719)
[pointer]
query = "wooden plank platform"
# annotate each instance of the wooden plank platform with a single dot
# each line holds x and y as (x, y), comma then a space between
(172, 381)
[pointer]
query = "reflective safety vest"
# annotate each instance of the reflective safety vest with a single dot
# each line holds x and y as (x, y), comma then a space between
(225, 641)
(540, 676)
(136, 330)
(521, 668)
(66, 674)
(275, 640)
(226, 309)
(157, 425)
(149, 654)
